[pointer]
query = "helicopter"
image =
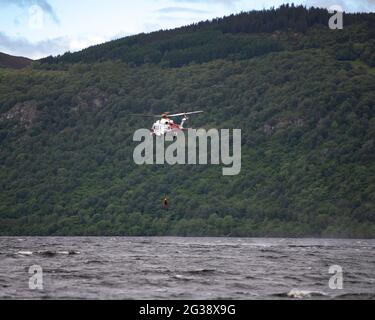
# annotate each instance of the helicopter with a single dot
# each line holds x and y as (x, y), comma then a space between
(166, 125)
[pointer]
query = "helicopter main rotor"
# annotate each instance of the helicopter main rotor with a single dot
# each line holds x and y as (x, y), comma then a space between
(165, 114)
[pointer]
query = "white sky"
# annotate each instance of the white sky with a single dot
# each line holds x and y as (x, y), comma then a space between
(37, 28)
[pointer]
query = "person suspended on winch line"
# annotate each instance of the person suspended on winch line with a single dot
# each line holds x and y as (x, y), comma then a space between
(165, 202)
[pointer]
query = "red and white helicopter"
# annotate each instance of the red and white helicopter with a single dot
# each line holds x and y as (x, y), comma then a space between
(166, 125)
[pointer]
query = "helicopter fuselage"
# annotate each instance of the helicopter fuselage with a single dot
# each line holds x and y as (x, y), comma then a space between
(166, 126)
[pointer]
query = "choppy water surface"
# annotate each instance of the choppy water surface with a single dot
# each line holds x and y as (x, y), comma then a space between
(185, 268)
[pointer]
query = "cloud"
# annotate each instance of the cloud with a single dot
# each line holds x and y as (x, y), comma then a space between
(181, 10)
(120, 35)
(40, 49)
(85, 41)
(347, 5)
(223, 2)
(43, 4)
(23, 47)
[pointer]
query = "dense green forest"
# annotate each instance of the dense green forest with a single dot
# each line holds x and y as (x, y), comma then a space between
(302, 94)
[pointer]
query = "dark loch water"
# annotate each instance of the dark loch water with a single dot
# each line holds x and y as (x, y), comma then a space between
(185, 268)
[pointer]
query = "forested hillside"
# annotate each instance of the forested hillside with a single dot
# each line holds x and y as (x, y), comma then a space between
(302, 94)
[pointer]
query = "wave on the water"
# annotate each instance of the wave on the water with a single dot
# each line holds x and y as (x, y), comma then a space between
(357, 296)
(47, 253)
(201, 271)
(300, 294)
